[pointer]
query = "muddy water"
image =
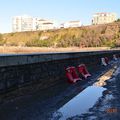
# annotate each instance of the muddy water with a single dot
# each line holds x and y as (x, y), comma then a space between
(85, 100)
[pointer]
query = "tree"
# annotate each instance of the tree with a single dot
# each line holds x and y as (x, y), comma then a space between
(118, 20)
(1, 37)
(1, 40)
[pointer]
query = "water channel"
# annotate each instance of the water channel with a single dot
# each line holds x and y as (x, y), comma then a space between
(85, 100)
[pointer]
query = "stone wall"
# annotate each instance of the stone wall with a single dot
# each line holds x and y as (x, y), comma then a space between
(46, 69)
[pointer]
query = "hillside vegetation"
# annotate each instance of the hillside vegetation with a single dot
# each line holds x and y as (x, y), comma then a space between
(107, 35)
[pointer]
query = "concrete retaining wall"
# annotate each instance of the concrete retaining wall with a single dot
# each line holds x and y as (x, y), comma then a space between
(45, 69)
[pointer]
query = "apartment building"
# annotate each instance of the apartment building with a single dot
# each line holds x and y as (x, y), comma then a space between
(103, 18)
(72, 24)
(43, 24)
(28, 23)
(22, 23)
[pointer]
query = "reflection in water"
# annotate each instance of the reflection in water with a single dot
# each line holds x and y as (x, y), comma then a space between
(85, 100)
(80, 104)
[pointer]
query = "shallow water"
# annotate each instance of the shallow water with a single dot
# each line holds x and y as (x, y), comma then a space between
(81, 103)
(85, 100)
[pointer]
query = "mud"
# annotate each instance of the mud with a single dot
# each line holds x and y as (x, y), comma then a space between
(98, 97)
(108, 106)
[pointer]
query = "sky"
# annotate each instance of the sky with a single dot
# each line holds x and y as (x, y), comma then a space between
(58, 10)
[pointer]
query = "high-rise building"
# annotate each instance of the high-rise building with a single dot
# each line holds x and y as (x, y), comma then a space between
(28, 23)
(103, 18)
(22, 23)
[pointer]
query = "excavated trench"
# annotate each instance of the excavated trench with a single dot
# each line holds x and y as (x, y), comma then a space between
(98, 98)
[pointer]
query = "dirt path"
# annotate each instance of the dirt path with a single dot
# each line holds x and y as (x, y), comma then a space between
(5, 50)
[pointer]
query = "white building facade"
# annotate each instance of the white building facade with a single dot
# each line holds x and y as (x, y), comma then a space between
(28, 23)
(22, 23)
(103, 18)
(43, 24)
(71, 24)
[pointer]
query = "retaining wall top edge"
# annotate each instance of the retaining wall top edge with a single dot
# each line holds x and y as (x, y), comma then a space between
(21, 59)
(52, 53)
